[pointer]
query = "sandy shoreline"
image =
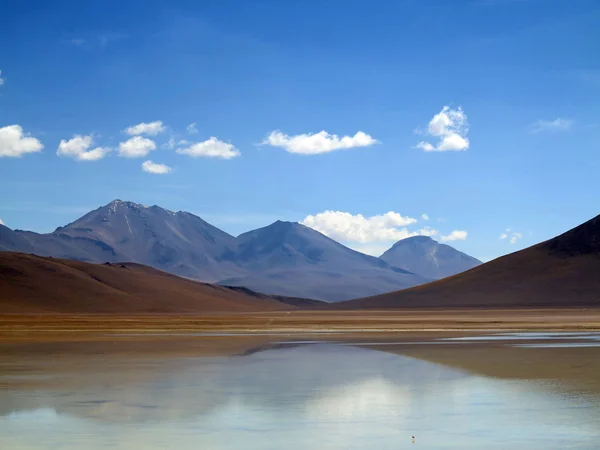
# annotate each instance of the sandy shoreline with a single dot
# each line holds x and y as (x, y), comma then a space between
(25, 327)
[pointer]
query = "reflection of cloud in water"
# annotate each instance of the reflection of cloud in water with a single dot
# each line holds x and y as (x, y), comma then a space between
(40, 414)
(130, 390)
(323, 396)
(360, 401)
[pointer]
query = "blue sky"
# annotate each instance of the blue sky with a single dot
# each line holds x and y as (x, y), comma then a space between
(517, 147)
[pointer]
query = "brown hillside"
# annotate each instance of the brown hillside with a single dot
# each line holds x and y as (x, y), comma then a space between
(561, 272)
(34, 284)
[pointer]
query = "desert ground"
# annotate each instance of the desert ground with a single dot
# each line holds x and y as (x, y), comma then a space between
(69, 326)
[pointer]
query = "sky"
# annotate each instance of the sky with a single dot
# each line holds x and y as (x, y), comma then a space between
(474, 121)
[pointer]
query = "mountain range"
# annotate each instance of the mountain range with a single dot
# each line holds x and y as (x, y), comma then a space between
(284, 258)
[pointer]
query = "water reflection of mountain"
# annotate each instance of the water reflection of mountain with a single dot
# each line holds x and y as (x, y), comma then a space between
(313, 381)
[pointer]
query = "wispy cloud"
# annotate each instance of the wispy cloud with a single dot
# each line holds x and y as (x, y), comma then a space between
(511, 236)
(192, 129)
(558, 124)
(1, 79)
(98, 40)
(456, 235)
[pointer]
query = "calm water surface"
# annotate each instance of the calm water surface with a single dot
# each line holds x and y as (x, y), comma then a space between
(317, 396)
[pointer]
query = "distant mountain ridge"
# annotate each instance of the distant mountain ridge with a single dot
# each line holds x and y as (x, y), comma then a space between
(284, 258)
(428, 258)
(178, 242)
(287, 257)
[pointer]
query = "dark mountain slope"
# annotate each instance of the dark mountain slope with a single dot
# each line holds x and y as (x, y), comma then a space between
(561, 272)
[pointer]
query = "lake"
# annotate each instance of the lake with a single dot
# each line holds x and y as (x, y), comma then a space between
(287, 396)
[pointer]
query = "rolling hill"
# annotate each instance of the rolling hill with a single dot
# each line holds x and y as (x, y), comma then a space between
(34, 284)
(560, 272)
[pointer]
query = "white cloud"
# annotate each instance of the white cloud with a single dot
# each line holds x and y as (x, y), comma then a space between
(425, 216)
(152, 167)
(78, 148)
(1, 222)
(343, 226)
(136, 147)
(151, 129)
(312, 144)
(211, 148)
(557, 124)
(511, 236)
(1, 79)
(450, 126)
(456, 235)
(191, 128)
(425, 146)
(14, 144)
(376, 249)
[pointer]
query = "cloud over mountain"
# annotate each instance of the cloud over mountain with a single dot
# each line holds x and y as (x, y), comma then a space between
(456, 235)
(357, 228)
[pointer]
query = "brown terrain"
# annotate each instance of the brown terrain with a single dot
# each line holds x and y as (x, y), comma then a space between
(34, 284)
(550, 286)
(561, 273)
(319, 324)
